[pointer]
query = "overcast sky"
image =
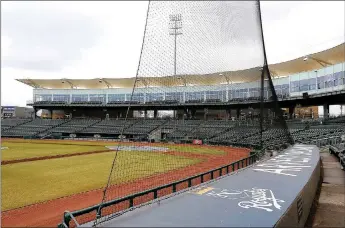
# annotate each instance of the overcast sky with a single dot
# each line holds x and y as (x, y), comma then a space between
(103, 39)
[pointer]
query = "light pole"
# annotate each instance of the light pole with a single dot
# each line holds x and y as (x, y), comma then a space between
(175, 27)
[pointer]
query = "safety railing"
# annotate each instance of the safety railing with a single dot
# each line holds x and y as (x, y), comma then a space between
(223, 170)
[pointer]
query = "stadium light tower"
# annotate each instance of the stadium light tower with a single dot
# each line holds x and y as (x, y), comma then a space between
(175, 26)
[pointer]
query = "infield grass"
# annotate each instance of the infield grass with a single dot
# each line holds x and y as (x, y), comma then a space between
(32, 182)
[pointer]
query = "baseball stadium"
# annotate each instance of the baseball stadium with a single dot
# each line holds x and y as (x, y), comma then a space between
(206, 134)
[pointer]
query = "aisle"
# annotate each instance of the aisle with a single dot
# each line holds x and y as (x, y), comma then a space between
(331, 205)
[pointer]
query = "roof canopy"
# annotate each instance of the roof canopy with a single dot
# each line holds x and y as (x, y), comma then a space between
(310, 62)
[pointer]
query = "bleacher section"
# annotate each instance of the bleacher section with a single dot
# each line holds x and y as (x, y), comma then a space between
(10, 123)
(144, 127)
(211, 128)
(32, 128)
(223, 132)
(75, 126)
(235, 136)
(339, 151)
(178, 129)
(109, 126)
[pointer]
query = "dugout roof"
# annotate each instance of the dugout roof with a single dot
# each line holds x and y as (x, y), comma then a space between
(305, 63)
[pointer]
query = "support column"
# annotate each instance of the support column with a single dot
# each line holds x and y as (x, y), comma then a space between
(325, 110)
(155, 113)
(238, 113)
(35, 113)
(291, 111)
(205, 113)
(193, 111)
(185, 113)
(228, 114)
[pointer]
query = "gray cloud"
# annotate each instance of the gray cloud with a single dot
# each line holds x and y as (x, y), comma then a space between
(44, 39)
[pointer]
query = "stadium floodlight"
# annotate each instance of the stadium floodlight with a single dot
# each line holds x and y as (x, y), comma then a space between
(175, 26)
(319, 61)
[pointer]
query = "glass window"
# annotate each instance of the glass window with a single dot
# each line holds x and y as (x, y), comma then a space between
(243, 93)
(61, 97)
(43, 97)
(236, 93)
(154, 96)
(285, 89)
(214, 95)
(117, 97)
(254, 92)
(304, 85)
(341, 78)
(194, 96)
(328, 81)
(278, 89)
(139, 97)
(97, 97)
(295, 86)
(79, 97)
(174, 96)
(321, 82)
(312, 83)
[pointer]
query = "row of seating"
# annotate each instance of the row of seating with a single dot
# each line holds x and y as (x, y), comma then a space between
(242, 133)
(32, 128)
(339, 151)
(12, 122)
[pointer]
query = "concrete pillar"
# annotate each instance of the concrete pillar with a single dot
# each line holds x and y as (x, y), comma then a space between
(185, 113)
(238, 113)
(228, 114)
(193, 111)
(155, 113)
(145, 114)
(325, 110)
(291, 111)
(35, 113)
(205, 113)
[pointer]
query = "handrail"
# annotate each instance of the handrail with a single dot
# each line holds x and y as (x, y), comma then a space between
(71, 215)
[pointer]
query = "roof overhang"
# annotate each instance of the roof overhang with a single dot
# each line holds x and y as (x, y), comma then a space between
(309, 62)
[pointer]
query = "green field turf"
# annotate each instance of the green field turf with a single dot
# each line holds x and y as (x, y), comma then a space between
(21, 150)
(196, 149)
(32, 182)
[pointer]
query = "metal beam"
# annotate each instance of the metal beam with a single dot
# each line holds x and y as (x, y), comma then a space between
(69, 82)
(183, 80)
(106, 82)
(319, 61)
(36, 86)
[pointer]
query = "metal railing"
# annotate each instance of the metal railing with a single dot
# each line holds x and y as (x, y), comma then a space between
(68, 216)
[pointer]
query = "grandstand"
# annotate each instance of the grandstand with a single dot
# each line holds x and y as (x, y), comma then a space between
(232, 107)
(294, 81)
(215, 111)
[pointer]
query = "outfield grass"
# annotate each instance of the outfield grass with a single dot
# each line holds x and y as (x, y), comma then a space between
(21, 150)
(32, 182)
(196, 149)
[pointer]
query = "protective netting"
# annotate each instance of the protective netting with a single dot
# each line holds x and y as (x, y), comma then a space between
(204, 63)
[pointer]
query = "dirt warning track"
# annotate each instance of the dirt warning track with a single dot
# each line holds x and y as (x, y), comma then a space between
(49, 213)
